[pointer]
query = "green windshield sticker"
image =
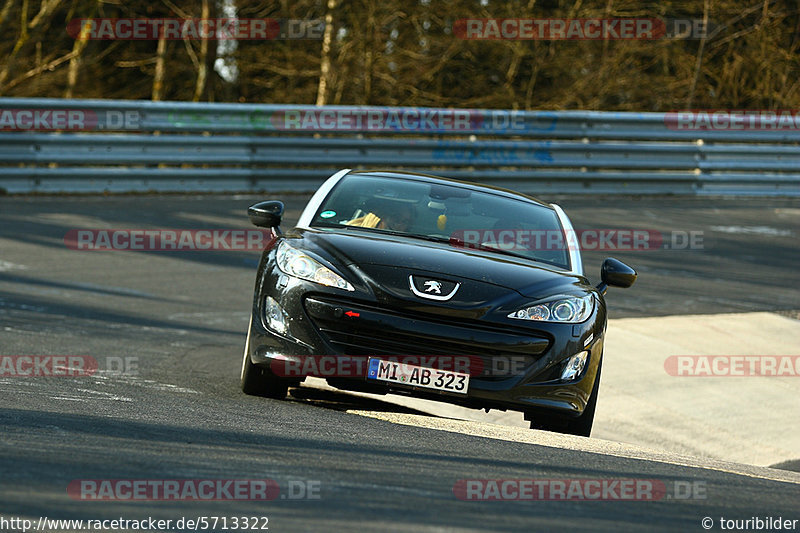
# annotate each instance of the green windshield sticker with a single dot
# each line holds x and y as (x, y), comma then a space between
(328, 214)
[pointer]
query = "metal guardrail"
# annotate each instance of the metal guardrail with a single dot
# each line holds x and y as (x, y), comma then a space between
(122, 145)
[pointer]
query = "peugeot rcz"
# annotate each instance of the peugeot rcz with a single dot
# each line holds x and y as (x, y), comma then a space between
(431, 287)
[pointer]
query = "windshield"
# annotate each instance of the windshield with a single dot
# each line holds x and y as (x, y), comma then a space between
(447, 213)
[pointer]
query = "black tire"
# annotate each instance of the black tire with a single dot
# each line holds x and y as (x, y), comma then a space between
(259, 380)
(580, 426)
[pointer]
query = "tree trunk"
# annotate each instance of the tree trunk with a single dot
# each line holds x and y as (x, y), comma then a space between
(4, 12)
(158, 78)
(202, 66)
(369, 44)
(699, 61)
(77, 49)
(325, 64)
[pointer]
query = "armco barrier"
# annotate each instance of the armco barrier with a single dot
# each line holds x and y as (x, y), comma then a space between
(53, 145)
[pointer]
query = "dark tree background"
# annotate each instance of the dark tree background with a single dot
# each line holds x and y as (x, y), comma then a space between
(393, 52)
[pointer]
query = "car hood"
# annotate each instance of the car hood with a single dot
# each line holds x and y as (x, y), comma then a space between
(375, 255)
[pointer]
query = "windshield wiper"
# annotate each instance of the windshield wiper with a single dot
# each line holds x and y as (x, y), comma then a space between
(498, 250)
(488, 248)
(383, 231)
(529, 258)
(454, 241)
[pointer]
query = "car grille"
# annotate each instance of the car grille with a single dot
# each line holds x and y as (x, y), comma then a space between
(373, 343)
(379, 332)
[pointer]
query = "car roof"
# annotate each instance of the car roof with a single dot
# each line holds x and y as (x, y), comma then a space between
(416, 176)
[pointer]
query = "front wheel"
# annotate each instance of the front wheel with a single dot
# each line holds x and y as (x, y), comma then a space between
(581, 426)
(258, 380)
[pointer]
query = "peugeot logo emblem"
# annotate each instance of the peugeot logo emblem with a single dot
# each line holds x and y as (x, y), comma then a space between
(433, 289)
(433, 286)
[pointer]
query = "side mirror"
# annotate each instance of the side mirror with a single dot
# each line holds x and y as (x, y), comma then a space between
(615, 273)
(266, 214)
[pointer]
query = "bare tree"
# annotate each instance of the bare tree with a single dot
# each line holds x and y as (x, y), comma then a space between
(396, 52)
(325, 64)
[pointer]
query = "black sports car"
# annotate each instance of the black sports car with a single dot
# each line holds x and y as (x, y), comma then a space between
(420, 285)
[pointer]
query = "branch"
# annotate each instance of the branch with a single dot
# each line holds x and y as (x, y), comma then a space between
(699, 61)
(38, 70)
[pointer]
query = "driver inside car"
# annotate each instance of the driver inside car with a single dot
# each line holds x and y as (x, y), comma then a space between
(396, 217)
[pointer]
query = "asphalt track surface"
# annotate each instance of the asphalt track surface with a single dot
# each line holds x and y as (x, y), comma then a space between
(181, 317)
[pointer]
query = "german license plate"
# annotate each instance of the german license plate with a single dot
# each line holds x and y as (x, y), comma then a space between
(417, 376)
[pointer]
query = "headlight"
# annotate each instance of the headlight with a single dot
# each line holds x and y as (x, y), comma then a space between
(574, 366)
(570, 309)
(276, 316)
(295, 263)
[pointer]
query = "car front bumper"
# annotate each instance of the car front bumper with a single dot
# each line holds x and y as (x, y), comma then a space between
(511, 367)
